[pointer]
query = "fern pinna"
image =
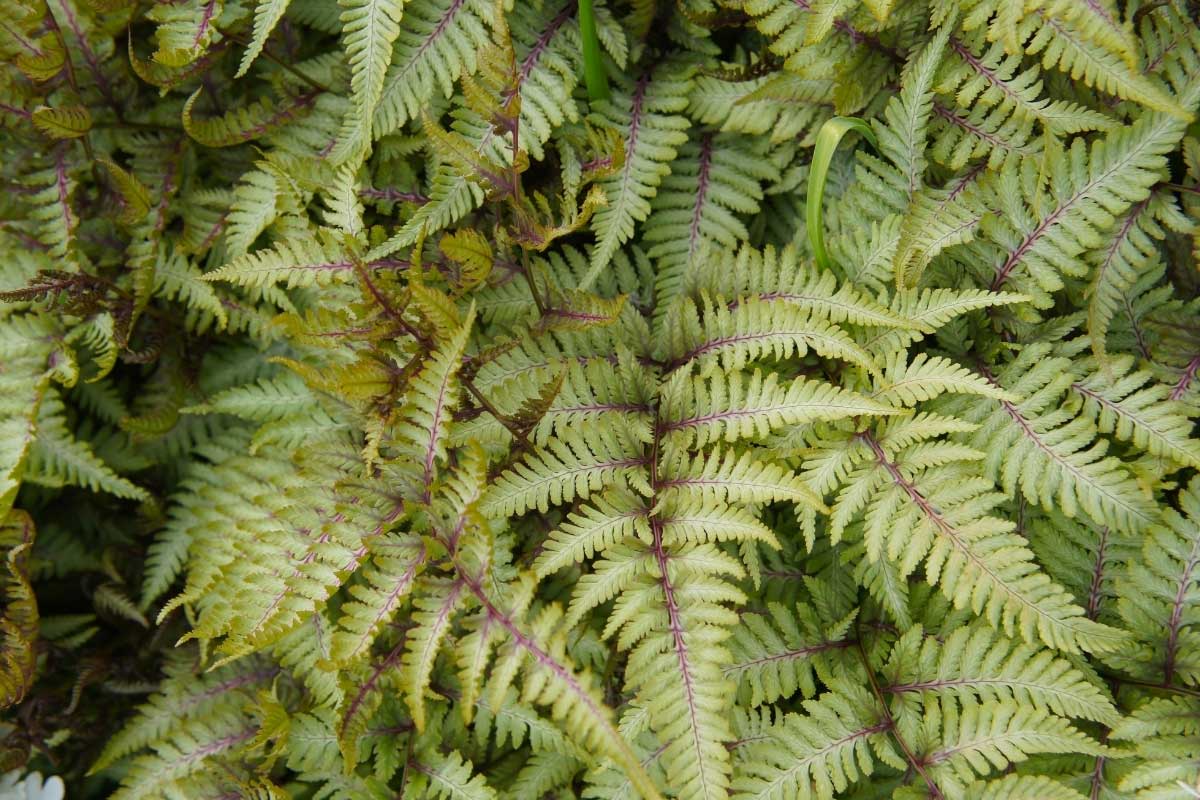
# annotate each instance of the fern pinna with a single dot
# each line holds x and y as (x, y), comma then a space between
(385, 411)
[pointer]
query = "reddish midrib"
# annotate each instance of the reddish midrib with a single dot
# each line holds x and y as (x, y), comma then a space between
(543, 41)
(1177, 613)
(789, 655)
(674, 622)
(209, 10)
(1122, 234)
(1185, 380)
(701, 192)
(364, 689)
(431, 446)
(1093, 603)
(438, 30)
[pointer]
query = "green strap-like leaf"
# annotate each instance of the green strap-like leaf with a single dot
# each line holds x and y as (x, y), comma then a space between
(828, 137)
(593, 69)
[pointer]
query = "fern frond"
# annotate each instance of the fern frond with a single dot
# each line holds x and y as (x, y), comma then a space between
(51, 206)
(977, 663)
(713, 336)
(987, 74)
(779, 653)
(387, 581)
(1019, 787)
(185, 30)
(612, 517)
(902, 132)
(435, 601)
(369, 29)
(1164, 733)
(1157, 598)
(936, 220)
(977, 738)
(1054, 456)
(931, 309)
(925, 378)
(567, 468)
(244, 124)
(725, 476)
(267, 14)
(57, 458)
(423, 423)
(819, 753)
(715, 178)
(780, 275)
(19, 623)
(448, 777)
(438, 40)
(922, 505)
(184, 758)
(1091, 189)
(648, 116)
(1066, 46)
(26, 352)
(183, 697)
(1129, 405)
(1128, 253)
(308, 261)
(736, 406)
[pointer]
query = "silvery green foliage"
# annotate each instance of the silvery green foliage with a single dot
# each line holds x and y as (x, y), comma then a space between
(381, 416)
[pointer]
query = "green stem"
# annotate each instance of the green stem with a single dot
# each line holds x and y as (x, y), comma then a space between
(593, 68)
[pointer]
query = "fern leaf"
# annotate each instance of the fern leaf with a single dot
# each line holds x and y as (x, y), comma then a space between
(734, 407)
(780, 276)
(267, 14)
(943, 515)
(309, 261)
(1092, 189)
(925, 378)
(245, 124)
(1060, 461)
(1122, 404)
(612, 517)
(976, 736)
(438, 41)
(369, 29)
(569, 467)
(776, 654)
(185, 30)
(730, 339)
(57, 458)
(424, 420)
(63, 122)
(815, 754)
(902, 138)
(387, 581)
(435, 602)
(648, 116)
(1064, 45)
(1157, 598)
(714, 179)
(977, 663)
(1128, 253)
(449, 777)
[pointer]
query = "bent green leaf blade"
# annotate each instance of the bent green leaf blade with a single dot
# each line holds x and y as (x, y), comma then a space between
(828, 137)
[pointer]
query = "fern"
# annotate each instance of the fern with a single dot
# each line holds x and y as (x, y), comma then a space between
(386, 412)
(648, 114)
(369, 28)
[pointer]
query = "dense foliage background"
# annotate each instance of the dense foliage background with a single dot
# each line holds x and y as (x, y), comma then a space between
(447, 398)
